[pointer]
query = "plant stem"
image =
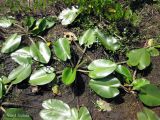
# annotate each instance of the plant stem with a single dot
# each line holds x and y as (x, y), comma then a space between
(84, 71)
(2, 108)
(134, 74)
(123, 62)
(10, 86)
(42, 38)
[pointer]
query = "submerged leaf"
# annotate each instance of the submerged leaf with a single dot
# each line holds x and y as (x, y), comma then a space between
(105, 87)
(101, 68)
(11, 43)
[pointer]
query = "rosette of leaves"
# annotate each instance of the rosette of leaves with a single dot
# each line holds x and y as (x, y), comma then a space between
(58, 110)
(68, 15)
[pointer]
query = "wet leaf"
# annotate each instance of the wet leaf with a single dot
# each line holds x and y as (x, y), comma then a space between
(101, 68)
(68, 15)
(147, 114)
(42, 76)
(22, 56)
(40, 52)
(11, 43)
(5, 22)
(88, 38)
(19, 74)
(105, 87)
(16, 114)
(84, 114)
(150, 95)
(138, 83)
(62, 49)
(124, 71)
(109, 42)
(69, 75)
(139, 57)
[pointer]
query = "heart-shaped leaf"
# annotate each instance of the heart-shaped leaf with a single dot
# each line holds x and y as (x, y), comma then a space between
(19, 74)
(22, 56)
(62, 49)
(55, 110)
(68, 75)
(139, 57)
(147, 114)
(40, 52)
(42, 76)
(124, 71)
(68, 15)
(16, 114)
(105, 87)
(11, 43)
(88, 38)
(150, 95)
(138, 83)
(109, 42)
(5, 22)
(101, 68)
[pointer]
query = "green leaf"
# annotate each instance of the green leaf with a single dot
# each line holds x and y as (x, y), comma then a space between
(124, 71)
(5, 80)
(147, 114)
(55, 110)
(109, 42)
(19, 74)
(1, 89)
(22, 56)
(150, 95)
(11, 43)
(30, 21)
(42, 76)
(139, 57)
(62, 49)
(5, 22)
(68, 15)
(84, 114)
(50, 21)
(68, 75)
(101, 68)
(105, 87)
(16, 114)
(88, 38)
(153, 51)
(138, 83)
(40, 52)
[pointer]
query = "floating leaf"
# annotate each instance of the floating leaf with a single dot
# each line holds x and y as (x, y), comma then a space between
(88, 38)
(101, 68)
(147, 114)
(138, 83)
(11, 43)
(139, 57)
(68, 15)
(124, 71)
(55, 110)
(22, 56)
(42, 76)
(153, 51)
(16, 114)
(5, 22)
(19, 74)
(68, 75)
(40, 52)
(62, 49)
(150, 95)
(109, 42)
(105, 87)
